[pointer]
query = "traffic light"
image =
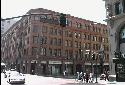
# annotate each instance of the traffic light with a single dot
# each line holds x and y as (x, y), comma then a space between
(63, 20)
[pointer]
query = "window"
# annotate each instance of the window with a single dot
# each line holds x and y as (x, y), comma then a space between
(76, 44)
(67, 22)
(60, 32)
(70, 54)
(76, 35)
(97, 47)
(84, 36)
(95, 38)
(27, 40)
(51, 41)
(35, 28)
(50, 51)
(66, 33)
(70, 23)
(34, 50)
(76, 54)
(79, 45)
(123, 3)
(66, 43)
(70, 34)
(35, 39)
(43, 40)
(117, 8)
(59, 42)
(28, 29)
(44, 29)
(70, 43)
(59, 52)
(55, 52)
(66, 53)
(43, 51)
(94, 46)
(88, 37)
(36, 18)
(51, 31)
(55, 32)
(79, 35)
(55, 41)
(103, 39)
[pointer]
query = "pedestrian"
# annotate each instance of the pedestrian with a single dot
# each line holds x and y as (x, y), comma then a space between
(87, 77)
(32, 72)
(78, 75)
(64, 73)
(107, 76)
(84, 77)
(81, 76)
(90, 77)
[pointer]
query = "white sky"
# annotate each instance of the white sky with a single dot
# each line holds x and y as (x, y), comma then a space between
(93, 10)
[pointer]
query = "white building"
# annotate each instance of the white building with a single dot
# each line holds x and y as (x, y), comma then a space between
(116, 25)
(6, 24)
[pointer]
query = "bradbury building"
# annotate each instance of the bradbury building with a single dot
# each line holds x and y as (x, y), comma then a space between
(116, 25)
(47, 43)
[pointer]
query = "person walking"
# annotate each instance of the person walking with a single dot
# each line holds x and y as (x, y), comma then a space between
(81, 76)
(78, 75)
(107, 76)
(90, 77)
(64, 73)
(87, 77)
(84, 77)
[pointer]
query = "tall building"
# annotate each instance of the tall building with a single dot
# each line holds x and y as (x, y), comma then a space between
(48, 42)
(6, 24)
(116, 25)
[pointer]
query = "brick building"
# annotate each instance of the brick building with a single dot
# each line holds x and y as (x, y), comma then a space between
(40, 44)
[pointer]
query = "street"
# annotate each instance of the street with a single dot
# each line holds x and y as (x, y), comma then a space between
(41, 80)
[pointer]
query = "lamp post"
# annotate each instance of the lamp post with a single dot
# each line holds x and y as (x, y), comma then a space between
(74, 67)
(96, 69)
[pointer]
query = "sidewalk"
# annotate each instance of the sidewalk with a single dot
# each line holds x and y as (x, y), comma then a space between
(109, 83)
(100, 82)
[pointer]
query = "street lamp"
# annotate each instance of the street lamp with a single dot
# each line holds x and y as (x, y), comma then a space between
(96, 70)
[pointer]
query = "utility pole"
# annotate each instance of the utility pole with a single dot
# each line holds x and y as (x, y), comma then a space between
(101, 57)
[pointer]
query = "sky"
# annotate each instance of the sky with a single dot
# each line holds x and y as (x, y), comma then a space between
(93, 10)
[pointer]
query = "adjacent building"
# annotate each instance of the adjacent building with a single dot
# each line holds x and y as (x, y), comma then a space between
(116, 25)
(48, 43)
(6, 24)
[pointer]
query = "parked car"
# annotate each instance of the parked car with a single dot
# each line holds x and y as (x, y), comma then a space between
(16, 78)
(102, 77)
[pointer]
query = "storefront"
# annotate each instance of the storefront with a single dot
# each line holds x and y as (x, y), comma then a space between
(69, 68)
(55, 67)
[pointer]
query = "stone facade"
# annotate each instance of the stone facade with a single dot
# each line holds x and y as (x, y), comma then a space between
(116, 25)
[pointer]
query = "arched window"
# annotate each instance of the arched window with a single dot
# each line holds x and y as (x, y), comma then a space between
(122, 35)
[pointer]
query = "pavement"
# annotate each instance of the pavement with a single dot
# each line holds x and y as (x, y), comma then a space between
(58, 80)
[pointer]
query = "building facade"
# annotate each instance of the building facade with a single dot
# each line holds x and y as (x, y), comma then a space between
(42, 43)
(116, 25)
